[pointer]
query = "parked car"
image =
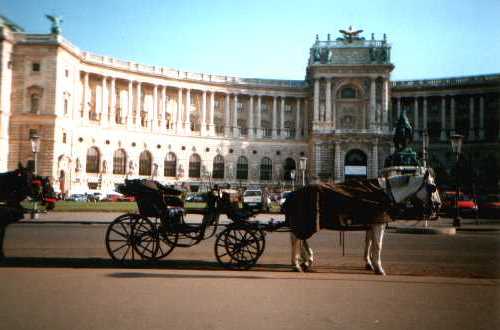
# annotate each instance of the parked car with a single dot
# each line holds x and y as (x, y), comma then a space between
(256, 199)
(197, 198)
(467, 206)
(77, 198)
(489, 206)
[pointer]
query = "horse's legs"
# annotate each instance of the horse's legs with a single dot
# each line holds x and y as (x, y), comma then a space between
(378, 236)
(368, 248)
(295, 252)
(307, 256)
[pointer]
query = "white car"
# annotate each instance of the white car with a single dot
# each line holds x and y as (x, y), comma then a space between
(255, 199)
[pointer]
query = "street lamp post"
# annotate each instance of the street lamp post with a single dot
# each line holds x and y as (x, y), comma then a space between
(456, 146)
(302, 168)
(425, 147)
(292, 176)
(35, 148)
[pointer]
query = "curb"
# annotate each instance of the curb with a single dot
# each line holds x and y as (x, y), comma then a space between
(30, 222)
(425, 230)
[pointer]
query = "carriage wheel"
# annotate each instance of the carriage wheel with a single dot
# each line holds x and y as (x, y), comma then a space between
(131, 237)
(261, 236)
(237, 248)
(166, 243)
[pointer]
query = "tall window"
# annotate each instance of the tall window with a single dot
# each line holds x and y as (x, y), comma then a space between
(289, 166)
(93, 160)
(145, 163)
(170, 166)
(119, 161)
(218, 167)
(34, 103)
(194, 166)
(266, 169)
(348, 93)
(242, 168)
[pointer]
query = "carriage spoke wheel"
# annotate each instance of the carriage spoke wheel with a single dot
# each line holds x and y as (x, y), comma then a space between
(237, 248)
(166, 243)
(131, 237)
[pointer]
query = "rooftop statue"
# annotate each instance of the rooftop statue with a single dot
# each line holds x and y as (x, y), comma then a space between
(351, 35)
(56, 23)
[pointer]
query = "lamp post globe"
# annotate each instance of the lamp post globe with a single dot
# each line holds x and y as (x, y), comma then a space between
(35, 148)
(302, 168)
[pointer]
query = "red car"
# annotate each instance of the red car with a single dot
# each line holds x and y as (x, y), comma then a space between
(489, 207)
(466, 205)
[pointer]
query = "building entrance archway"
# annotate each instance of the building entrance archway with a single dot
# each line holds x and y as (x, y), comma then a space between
(355, 165)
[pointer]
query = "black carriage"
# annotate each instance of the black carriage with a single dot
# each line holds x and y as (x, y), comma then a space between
(160, 226)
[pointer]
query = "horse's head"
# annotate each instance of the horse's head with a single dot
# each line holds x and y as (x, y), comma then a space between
(428, 194)
(15, 186)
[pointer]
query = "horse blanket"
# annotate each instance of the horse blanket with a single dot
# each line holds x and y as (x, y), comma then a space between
(336, 206)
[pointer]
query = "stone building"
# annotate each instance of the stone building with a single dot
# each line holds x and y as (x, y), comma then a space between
(103, 119)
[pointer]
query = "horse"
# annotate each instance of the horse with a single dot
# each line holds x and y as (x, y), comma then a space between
(358, 205)
(16, 186)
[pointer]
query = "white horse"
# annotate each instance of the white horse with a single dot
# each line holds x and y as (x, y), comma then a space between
(420, 186)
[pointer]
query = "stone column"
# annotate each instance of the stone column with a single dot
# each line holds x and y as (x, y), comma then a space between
(211, 122)
(334, 109)
(373, 104)
(328, 105)
(250, 119)
(274, 131)
(130, 105)
(375, 159)
(385, 105)
(416, 135)
(316, 101)
(297, 120)
(86, 97)
(154, 117)
(163, 108)
(452, 115)
(398, 107)
(104, 102)
(178, 115)
(112, 102)
(339, 164)
(306, 119)
(471, 136)
(424, 125)
(481, 117)
(443, 134)
(138, 105)
(282, 118)
(187, 112)
(259, 116)
(236, 132)
(227, 115)
(203, 130)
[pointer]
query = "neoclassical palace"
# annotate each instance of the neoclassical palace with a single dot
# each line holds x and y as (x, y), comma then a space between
(102, 119)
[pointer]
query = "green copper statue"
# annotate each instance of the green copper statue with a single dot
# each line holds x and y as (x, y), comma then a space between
(56, 24)
(404, 132)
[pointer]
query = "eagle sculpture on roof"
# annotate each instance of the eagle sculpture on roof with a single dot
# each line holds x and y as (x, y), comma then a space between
(350, 35)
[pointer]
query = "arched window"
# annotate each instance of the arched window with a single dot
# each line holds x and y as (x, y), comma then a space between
(288, 167)
(242, 168)
(119, 161)
(93, 160)
(194, 166)
(348, 93)
(170, 165)
(266, 169)
(218, 167)
(145, 163)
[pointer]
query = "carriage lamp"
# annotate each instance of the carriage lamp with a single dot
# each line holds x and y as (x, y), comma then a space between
(35, 148)
(456, 146)
(302, 168)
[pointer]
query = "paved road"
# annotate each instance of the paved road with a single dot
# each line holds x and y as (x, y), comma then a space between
(58, 276)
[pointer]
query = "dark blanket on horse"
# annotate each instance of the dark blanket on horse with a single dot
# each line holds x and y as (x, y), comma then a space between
(336, 206)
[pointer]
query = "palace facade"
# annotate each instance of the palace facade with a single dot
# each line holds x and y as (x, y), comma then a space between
(102, 119)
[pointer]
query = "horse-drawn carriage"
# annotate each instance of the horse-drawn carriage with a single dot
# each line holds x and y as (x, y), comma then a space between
(160, 226)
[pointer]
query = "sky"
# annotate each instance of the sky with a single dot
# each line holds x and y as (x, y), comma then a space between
(271, 38)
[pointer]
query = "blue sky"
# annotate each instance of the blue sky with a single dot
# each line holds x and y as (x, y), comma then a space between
(271, 39)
